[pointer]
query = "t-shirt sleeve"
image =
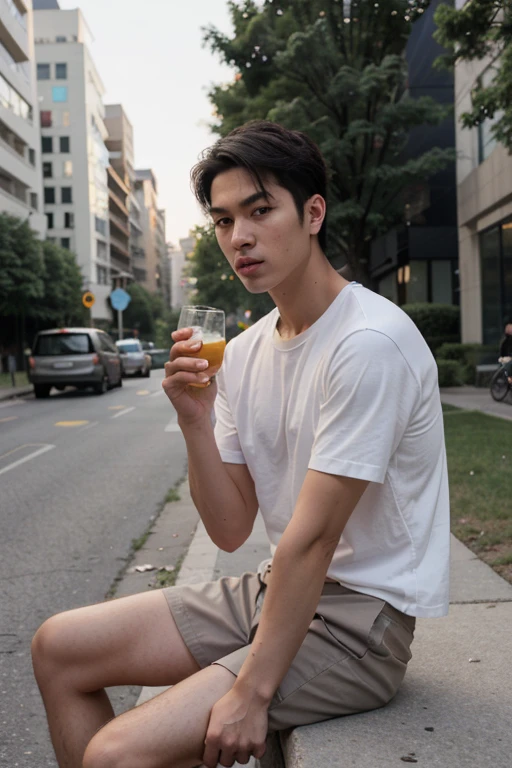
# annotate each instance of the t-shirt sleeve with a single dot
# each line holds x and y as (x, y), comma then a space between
(369, 395)
(226, 435)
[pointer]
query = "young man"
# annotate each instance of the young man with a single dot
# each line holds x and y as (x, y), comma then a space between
(506, 351)
(344, 458)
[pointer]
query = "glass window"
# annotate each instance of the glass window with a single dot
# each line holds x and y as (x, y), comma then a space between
(67, 168)
(33, 201)
(442, 292)
(49, 220)
(61, 39)
(47, 144)
(491, 285)
(100, 225)
(49, 195)
(66, 195)
(69, 220)
(388, 287)
(46, 118)
(64, 144)
(32, 156)
(43, 71)
(64, 344)
(65, 242)
(61, 71)
(65, 119)
(101, 250)
(417, 287)
(47, 170)
(59, 93)
(102, 275)
(506, 233)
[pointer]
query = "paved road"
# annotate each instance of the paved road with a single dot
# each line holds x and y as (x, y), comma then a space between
(81, 476)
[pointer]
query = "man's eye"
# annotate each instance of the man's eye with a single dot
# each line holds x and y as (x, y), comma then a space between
(222, 222)
(263, 210)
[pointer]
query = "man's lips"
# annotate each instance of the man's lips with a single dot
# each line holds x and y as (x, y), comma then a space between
(245, 266)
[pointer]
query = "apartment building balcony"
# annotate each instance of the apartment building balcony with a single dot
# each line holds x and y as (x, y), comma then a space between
(138, 255)
(120, 249)
(13, 30)
(139, 275)
(116, 202)
(120, 223)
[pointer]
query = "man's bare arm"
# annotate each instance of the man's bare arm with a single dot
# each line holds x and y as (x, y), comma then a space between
(223, 493)
(299, 569)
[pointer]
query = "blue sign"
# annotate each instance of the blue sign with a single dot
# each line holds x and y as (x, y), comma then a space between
(120, 299)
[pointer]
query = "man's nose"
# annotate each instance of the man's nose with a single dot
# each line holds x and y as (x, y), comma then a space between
(242, 236)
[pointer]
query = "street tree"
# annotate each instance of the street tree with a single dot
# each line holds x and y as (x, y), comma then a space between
(482, 29)
(63, 280)
(21, 266)
(337, 71)
(138, 316)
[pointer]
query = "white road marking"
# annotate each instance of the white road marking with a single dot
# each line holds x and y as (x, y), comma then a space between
(42, 449)
(92, 424)
(8, 418)
(158, 392)
(172, 426)
(122, 413)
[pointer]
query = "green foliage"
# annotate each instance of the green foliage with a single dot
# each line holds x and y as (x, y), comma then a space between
(139, 313)
(468, 356)
(21, 267)
(450, 373)
(217, 285)
(337, 71)
(438, 323)
(480, 29)
(62, 302)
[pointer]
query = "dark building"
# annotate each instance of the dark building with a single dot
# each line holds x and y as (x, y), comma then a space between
(417, 261)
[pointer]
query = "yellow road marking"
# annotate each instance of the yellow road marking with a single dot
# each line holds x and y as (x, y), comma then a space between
(9, 418)
(115, 407)
(143, 392)
(70, 423)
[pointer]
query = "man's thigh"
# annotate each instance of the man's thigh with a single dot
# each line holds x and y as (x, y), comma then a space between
(129, 641)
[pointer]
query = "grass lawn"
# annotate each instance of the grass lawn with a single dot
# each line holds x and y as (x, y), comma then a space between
(479, 449)
(20, 378)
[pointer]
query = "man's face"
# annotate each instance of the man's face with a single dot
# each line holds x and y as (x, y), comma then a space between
(508, 329)
(261, 236)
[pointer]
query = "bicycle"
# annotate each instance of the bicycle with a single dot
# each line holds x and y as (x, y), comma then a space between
(500, 385)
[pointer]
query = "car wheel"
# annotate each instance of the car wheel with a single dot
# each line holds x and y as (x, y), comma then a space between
(102, 387)
(42, 390)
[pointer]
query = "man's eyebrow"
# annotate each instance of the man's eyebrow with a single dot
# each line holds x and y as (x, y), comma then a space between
(244, 203)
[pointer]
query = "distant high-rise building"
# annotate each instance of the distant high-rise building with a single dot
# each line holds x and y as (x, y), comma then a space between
(120, 190)
(74, 156)
(180, 287)
(20, 151)
(153, 227)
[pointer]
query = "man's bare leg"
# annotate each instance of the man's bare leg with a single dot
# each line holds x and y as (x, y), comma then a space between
(165, 732)
(130, 641)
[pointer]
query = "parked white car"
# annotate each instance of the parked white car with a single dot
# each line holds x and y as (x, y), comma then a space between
(134, 360)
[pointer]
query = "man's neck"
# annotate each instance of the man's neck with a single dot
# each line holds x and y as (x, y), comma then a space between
(304, 297)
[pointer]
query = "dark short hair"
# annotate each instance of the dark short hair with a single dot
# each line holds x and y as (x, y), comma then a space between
(266, 149)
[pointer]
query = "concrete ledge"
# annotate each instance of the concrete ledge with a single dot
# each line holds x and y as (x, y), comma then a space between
(467, 704)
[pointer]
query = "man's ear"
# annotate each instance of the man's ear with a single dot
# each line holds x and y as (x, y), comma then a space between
(315, 209)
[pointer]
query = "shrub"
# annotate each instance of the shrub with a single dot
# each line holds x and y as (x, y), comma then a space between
(438, 323)
(468, 356)
(450, 373)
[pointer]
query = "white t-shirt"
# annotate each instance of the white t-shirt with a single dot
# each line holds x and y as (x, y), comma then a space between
(356, 394)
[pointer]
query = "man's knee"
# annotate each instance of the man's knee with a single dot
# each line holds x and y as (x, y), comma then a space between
(106, 752)
(51, 645)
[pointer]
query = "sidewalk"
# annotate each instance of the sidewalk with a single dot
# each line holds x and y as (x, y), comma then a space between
(455, 706)
(6, 393)
(476, 399)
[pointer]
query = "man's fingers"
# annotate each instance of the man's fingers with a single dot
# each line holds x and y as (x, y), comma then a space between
(211, 755)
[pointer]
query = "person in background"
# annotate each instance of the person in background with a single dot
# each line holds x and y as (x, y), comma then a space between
(506, 351)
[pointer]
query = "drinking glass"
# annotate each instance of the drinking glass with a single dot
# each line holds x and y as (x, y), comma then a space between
(209, 326)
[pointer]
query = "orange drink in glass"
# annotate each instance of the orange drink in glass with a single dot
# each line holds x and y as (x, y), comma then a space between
(209, 326)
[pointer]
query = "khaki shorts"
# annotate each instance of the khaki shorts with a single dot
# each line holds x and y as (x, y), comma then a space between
(353, 658)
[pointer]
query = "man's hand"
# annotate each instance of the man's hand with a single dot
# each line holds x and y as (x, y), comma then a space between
(237, 729)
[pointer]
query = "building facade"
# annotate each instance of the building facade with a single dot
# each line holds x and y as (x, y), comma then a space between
(417, 261)
(484, 185)
(74, 155)
(20, 143)
(180, 286)
(125, 229)
(146, 193)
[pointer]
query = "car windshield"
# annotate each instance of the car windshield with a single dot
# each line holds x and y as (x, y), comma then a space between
(64, 344)
(134, 347)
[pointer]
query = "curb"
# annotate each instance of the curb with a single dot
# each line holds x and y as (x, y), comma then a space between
(6, 394)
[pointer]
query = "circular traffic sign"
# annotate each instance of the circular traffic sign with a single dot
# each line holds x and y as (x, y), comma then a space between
(88, 299)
